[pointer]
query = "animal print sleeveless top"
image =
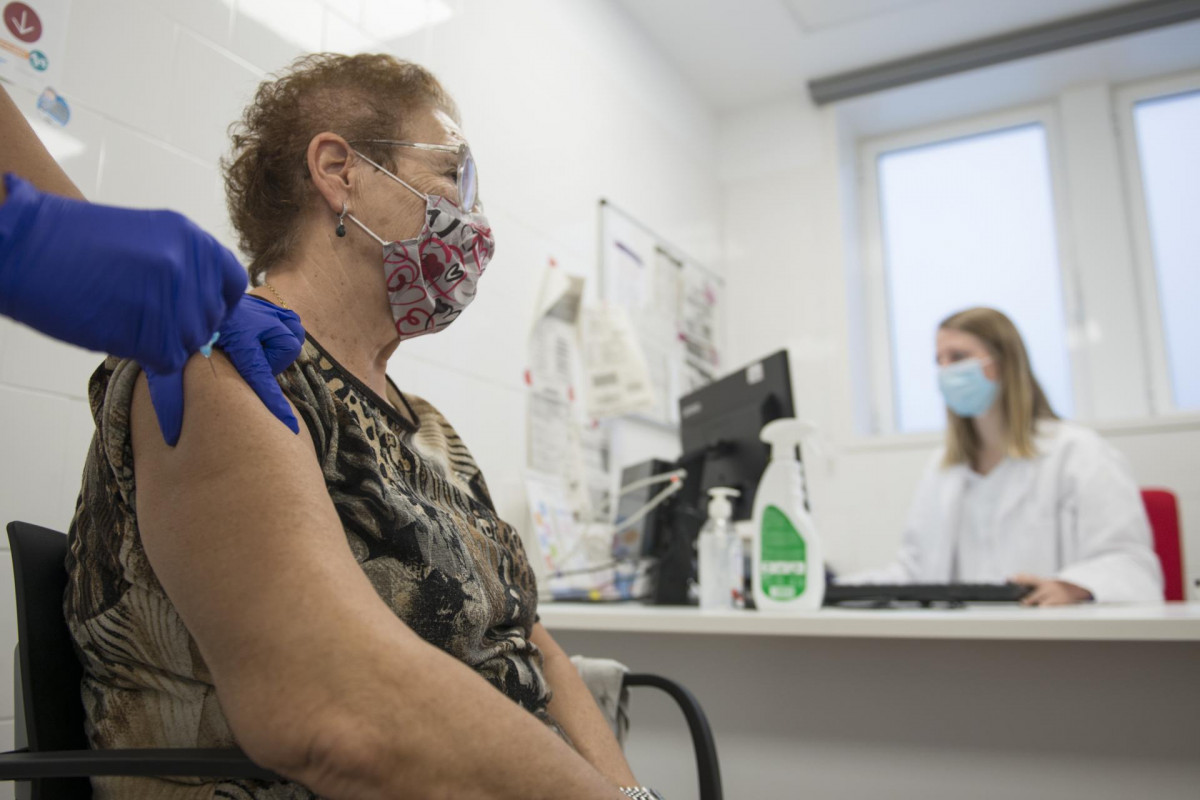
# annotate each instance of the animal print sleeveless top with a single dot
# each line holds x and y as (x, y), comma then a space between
(417, 516)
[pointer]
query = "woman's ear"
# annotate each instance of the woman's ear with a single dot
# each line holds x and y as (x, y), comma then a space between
(329, 158)
(991, 370)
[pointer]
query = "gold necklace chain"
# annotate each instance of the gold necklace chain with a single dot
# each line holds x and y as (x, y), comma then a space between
(278, 296)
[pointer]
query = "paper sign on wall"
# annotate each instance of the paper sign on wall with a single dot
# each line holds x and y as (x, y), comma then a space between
(618, 381)
(33, 37)
(673, 304)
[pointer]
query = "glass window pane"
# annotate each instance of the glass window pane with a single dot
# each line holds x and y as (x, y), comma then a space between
(1168, 130)
(970, 222)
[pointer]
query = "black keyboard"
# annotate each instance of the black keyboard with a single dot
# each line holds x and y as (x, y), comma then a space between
(926, 594)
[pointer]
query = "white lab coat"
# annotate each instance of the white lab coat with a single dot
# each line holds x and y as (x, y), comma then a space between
(1072, 511)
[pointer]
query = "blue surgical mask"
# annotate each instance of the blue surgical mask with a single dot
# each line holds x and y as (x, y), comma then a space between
(968, 392)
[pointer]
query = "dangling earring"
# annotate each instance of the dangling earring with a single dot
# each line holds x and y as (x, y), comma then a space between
(341, 226)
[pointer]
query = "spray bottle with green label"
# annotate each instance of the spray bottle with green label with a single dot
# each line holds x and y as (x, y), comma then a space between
(789, 567)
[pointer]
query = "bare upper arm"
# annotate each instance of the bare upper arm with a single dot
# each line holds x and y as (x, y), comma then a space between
(239, 528)
(319, 680)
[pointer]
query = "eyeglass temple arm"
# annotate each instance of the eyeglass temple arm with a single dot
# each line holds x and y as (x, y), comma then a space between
(445, 148)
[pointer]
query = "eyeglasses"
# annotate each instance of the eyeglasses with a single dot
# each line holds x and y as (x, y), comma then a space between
(467, 179)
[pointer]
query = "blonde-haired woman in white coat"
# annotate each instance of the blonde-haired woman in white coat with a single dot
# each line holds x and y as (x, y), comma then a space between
(1018, 494)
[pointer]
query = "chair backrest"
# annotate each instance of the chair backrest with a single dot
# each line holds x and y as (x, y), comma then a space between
(1163, 512)
(50, 670)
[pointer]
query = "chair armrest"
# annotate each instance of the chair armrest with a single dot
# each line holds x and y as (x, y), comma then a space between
(707, 767)
(22, 765)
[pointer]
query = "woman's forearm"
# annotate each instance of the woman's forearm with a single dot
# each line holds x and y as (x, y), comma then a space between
(22, 152)
(437, 725)
(574, 708)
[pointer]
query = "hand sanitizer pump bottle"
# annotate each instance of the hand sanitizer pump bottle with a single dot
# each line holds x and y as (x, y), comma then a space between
(789, 566)
(720, 554)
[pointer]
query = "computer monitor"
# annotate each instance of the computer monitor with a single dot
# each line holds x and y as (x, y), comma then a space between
(723, 421)
(719, 432)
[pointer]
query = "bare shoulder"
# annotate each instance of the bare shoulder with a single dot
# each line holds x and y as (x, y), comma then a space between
(221, 413)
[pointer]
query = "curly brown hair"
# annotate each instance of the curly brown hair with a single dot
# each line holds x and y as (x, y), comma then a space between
(266, 175)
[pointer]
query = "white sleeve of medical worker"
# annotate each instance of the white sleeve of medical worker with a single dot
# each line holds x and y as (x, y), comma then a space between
(1103, 515)
(906, 568)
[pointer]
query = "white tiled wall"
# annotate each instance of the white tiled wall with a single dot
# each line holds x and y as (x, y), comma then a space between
(564, 103)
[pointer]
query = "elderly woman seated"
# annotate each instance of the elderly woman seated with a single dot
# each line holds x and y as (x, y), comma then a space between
(343, 604)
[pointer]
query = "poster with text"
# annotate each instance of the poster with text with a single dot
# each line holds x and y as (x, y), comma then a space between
(33, 37)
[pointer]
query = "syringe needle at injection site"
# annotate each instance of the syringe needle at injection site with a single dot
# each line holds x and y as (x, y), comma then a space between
(206, 351)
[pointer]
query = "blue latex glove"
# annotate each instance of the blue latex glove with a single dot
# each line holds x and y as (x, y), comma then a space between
(262, 340)
(147, 285)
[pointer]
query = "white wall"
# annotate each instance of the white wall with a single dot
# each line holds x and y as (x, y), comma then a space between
(791, 216)
(564, 103)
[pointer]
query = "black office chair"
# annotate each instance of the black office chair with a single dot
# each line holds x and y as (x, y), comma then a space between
(53, 760)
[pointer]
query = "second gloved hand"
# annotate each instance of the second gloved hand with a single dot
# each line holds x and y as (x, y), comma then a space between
(147, 285)
(261, 340)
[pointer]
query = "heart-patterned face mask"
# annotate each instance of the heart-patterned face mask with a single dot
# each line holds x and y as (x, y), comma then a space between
(432, 277)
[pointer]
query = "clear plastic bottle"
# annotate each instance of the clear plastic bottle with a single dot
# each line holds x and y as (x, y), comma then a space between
(720, 554)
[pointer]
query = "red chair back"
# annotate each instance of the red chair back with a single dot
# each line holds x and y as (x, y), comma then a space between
(1163, 511)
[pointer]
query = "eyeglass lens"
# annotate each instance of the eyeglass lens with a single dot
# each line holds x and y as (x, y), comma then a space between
(468, 182)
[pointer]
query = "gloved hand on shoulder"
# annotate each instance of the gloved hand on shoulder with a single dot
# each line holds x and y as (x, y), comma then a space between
(147, 285)
(261, 340)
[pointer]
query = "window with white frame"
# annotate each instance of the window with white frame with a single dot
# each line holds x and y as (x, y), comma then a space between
(1077, 215)
(961, 217)
(1162, 126)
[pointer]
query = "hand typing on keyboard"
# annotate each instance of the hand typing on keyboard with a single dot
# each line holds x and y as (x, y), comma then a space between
(1050, 592)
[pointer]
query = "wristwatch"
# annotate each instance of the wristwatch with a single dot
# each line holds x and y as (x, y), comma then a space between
(640, 793)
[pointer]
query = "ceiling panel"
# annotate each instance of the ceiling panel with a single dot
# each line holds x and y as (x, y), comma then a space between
(816, 15)
(740, 52)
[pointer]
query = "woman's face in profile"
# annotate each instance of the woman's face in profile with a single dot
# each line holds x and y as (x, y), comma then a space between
(954, 346)
(396, 212)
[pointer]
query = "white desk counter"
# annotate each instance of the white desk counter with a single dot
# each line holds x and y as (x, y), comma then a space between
(1173, 622)
(1087, 702)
